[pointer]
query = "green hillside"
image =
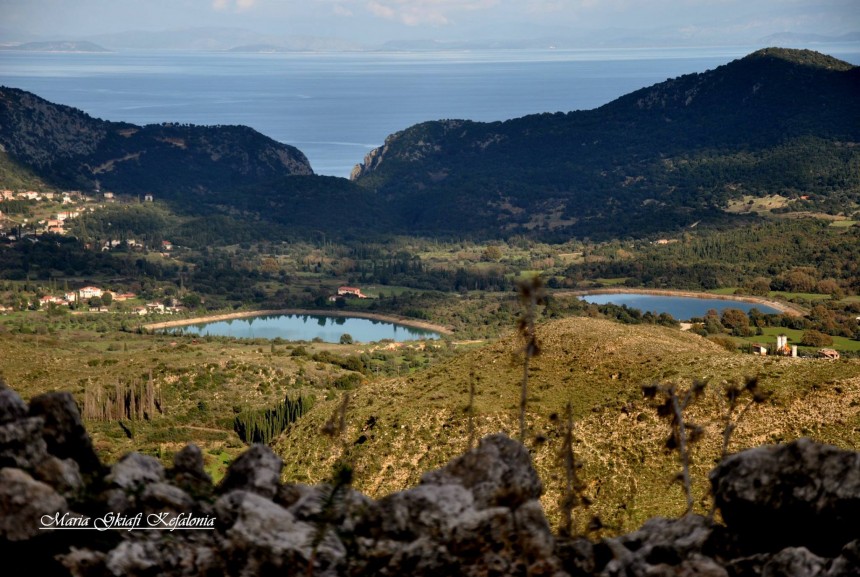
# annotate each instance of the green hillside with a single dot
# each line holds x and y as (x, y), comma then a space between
(399, 427)
(660, 158)
(69, 148)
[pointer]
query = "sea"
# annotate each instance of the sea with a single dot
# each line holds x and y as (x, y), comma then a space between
(335, 107)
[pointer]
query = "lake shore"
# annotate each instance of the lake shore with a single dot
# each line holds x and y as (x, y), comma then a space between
(786, 308)
(386, 318)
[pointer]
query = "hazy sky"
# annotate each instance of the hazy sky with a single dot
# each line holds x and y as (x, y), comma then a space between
(379, 20)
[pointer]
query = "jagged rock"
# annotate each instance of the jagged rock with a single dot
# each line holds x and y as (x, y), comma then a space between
(423, 511)
(63, 475)
(166, 497)
(794, 562)
(23, 503)
(661, 547)
(12, 406)
(83, 562)
(21, 443)
(63, 431)
(476, 515)
(498, 473)
(576, 555)
(188, 472)
(345, 509)
(265, 537)
(258, 470)
(802, 494)
(846, 565)
(134, 471)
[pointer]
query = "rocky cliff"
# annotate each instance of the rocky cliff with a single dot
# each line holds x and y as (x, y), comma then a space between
(789, 510)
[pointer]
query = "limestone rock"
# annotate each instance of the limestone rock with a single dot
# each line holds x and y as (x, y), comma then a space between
(258, 470)
(498, 472)
(661, 546)
(134, 471)
(12, 407)
(188, 472)
(848, 562)
(64, 475)
(23, 502)
(64, 431)
(21, 443)
(798, 494)
(795, 562)
(265, 537)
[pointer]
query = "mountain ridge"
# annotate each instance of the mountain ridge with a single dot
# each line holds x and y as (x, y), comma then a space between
(70, 148)
(679, 145)
(655, 161)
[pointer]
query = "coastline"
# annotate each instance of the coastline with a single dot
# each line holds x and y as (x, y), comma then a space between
(388, 318)
(786, 308)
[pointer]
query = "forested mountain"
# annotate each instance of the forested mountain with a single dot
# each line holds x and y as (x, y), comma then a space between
(672, 155)
(71, 149)
(777, 121)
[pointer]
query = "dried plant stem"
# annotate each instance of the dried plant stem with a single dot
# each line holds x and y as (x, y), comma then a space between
(531, 296)
(471, 410)
(681, 432)
(523, 398)
(569, 471)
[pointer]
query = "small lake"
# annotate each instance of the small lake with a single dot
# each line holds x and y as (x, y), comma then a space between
(308, 327)
(681, 308)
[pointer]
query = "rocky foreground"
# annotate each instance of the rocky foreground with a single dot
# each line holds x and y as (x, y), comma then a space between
(789, 510)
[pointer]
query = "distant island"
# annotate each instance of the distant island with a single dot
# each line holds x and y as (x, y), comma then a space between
(259, 48)
(57, 46)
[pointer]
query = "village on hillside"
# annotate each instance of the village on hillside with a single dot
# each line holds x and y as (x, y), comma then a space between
(31, 213)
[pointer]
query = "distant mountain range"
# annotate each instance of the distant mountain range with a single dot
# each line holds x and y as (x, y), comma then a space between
(244, 40)
(659, 159)
(56, 46)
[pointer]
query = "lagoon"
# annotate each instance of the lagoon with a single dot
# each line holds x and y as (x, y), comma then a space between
(304, 327)
(681, 308)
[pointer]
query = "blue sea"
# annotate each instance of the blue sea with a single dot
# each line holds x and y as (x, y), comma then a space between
(335, 107)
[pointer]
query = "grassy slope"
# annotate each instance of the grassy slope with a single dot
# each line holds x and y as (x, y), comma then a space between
(399, 428)
(201, 381)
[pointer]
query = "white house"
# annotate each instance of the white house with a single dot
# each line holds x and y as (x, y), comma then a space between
(89, 292)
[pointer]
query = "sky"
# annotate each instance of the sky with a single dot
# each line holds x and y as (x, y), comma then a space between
(375, 21)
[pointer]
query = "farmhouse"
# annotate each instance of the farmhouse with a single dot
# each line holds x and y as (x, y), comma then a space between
(89, 292)
(349, 291)
(828, 354)
(758, 349)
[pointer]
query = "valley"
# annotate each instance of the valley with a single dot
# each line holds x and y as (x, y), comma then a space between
(702, 185)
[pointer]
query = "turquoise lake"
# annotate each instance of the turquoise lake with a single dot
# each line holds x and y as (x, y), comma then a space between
(681, 308)
(308, 327)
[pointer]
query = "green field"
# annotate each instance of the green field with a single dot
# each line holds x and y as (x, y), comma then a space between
(794, 338)
(805, 296)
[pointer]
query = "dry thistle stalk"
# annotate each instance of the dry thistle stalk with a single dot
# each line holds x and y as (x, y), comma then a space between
(333, 502)
(531, 296)
(733, 394)
(574, 489)
(683, 433)
(470, 408)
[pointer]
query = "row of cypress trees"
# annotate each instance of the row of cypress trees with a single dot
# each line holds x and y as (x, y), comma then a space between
(264, 425)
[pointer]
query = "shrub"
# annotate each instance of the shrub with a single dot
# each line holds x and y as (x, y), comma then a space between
(812, 338)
